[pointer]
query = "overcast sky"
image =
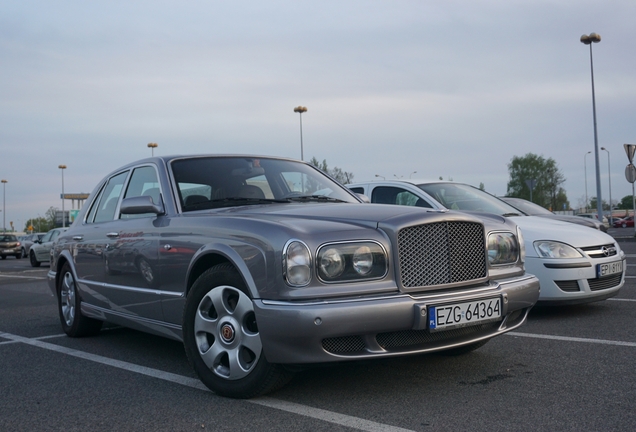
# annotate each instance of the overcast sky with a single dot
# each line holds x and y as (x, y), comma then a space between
(453, 89)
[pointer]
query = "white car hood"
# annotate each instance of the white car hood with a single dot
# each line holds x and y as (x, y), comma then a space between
(536, 228)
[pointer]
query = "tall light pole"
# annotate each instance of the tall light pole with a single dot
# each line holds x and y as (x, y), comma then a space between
(609, 179)
(587, 40)
(62, 168)
(587, 201)
(414, 172)
(152, 147)
(300, 110)
(4, 209)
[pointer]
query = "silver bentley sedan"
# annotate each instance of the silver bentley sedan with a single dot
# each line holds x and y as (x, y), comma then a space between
(260, 265)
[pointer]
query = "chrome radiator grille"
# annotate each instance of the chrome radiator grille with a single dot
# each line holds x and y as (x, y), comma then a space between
(441, 253)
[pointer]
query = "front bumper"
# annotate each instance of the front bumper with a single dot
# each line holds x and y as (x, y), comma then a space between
(11, 251)
(388, 326)
(575, 281)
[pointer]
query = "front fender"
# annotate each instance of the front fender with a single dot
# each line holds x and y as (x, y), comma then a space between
(248, 260)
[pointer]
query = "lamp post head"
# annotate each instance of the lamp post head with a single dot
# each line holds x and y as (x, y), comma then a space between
(300, 109)
(153, 145)
(592, 37)
(61, 166)
(4, 181)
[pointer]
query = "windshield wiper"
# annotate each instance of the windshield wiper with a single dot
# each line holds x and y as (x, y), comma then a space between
(319, 198)
(232, 201)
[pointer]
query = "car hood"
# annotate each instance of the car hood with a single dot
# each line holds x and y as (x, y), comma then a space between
(539, 228)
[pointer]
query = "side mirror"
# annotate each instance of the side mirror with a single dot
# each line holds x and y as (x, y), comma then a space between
(363, 197)
(140, 205)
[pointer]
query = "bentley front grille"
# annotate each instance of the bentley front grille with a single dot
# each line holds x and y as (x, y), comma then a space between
(441, 253)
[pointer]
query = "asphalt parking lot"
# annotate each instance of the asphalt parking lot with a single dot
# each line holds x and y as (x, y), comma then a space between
(568, 368)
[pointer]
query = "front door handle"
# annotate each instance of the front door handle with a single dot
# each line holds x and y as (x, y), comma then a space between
(78, 238)
(112, 235)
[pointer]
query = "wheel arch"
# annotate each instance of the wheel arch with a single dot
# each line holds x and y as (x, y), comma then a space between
(249, 263)
(62, 259)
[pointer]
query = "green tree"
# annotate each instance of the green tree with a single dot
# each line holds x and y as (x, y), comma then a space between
(626, 203)
(338, 174)
(42, 223)
(547, 178)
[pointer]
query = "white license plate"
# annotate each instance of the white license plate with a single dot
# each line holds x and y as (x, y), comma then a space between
(445, 317)
(609, 268)
(8, 251)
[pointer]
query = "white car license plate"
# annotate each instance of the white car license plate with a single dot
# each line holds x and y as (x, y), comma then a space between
(461, 314)
(609, 269)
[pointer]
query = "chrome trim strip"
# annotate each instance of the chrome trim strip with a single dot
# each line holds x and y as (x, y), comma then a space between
(133, 289)
(101, 310)
(459, 295)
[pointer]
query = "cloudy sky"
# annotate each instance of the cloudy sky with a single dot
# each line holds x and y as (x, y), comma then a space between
(453, 89)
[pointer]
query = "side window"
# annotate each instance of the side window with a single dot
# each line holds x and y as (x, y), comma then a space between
(47, 237)
(398, 196)
(357, 190)
(110, 196)
(261, 183)
(55, 235)
(143, 182)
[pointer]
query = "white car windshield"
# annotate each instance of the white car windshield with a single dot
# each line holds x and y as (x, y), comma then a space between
(457, 196)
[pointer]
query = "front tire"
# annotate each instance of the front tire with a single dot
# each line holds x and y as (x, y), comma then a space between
(34, 260)
(221, 337)
(73, 322)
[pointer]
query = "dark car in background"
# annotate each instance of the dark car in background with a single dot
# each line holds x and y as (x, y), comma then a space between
(532, 209)
(624, 222)
(261, 264)
(28, 241)
(9, 246)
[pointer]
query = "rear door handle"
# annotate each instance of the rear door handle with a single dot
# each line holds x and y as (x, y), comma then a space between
(78, 238)
(112, 235)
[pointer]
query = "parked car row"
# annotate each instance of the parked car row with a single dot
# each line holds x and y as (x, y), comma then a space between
(260, 265)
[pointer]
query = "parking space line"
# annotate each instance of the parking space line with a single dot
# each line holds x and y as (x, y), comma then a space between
(622, 299)
(21, 277)
(303, 410)
(572, 339)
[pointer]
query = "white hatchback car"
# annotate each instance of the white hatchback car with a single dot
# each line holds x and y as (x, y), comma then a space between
(574, 264)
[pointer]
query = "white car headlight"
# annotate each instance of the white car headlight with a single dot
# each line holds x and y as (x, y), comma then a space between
(297, 263)
(554, 249)
(502, 248)
(350, 262)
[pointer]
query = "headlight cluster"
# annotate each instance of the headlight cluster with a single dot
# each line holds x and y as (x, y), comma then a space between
(503, 248)
(553, 249)
(335, 262)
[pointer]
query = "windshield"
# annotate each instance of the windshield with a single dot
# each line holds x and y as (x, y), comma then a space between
(223, 181)
(457, 196)
(528, 207)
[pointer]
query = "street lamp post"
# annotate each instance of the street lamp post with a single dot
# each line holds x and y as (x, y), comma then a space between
(300, 110)
(4, 209)
(378, 175)
(152, 147)
(414, 172)
(62, 168)
(585, 168)
(588, 40)
(609, 179)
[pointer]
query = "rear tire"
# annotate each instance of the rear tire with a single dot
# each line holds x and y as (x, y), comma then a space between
(69, 307)
(221, 338)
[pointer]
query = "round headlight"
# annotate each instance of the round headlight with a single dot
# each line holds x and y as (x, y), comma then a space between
(363, 260)
(331, 263)
(297, 264)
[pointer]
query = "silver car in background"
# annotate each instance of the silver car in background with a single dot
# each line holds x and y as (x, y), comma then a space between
(261, 264)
